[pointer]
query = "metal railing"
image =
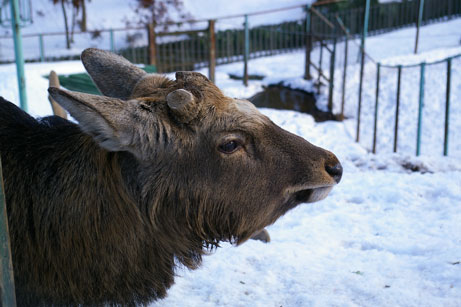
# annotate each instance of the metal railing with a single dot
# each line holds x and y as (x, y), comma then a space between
(389, 16)
(421, 89)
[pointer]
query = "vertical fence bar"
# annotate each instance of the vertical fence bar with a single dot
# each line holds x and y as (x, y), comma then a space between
(42, 48)
(182, 55)
(343, 90)
(152, 44)
(7, 281)
(418, 24)
(397, 107)
(447, 109)
(346, 47)
(307, 68)
(375, 125)
(112, 44)
(246, 53)
(332, 76)
(362, 64)
(18, 54)
(320, 62)
(420, 109)
(212, 53)
(359, 107)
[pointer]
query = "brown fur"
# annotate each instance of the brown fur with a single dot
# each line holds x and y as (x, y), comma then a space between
(102, 212)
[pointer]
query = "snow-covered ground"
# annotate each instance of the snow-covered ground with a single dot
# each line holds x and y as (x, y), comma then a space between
(386, 236)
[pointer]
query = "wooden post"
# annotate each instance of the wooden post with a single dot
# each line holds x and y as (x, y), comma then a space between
(57, 109)
(7, 281)
(212, 53)
(152, 45)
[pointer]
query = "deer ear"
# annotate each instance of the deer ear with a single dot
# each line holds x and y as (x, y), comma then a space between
(114, 75)
(106, 119)
(183, 105)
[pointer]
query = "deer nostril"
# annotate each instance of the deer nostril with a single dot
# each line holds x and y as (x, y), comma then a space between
(335, 171)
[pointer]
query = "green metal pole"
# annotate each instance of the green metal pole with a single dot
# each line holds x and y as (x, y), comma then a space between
(420, 110)
(397, 107)
(365, 25)
(332, 76)
(246, 54)
(18, 53)
(418, 24)
(375, 125)
(362, 64)
(447, 108)
(112, 45)
(42, 49)
(7, 278)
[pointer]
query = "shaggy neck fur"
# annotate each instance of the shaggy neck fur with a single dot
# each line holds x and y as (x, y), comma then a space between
(102, 241)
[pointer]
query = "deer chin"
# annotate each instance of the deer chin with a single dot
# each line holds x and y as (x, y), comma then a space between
(312, 195)
(307, 195)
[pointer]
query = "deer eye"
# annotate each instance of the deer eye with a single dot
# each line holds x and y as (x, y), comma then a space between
(229, 146)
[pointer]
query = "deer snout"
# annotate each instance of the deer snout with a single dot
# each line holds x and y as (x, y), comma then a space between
(334, 168)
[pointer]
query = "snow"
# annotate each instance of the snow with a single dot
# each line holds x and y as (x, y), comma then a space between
(385, 236)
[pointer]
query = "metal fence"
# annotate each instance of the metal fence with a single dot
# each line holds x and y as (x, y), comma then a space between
(386, 17)
(390, 90)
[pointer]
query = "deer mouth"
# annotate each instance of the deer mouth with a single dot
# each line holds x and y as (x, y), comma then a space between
(308, 195)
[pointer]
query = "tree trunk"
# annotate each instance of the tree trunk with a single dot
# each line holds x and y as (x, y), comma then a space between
(74, 21)
(65, 24)
(83, 26)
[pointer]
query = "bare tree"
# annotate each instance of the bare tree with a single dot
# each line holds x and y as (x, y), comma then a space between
(158, 12)
(75, 6)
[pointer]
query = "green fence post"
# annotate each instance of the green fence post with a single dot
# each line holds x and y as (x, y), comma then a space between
(447, 109)
(7, 281)
(397, 107)
(420, 109)
(18, 54)
(246, 55)
(418, 24)
(112, 45)
(42, 48)
(332, 76)
(362, 64)
(375, 126)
